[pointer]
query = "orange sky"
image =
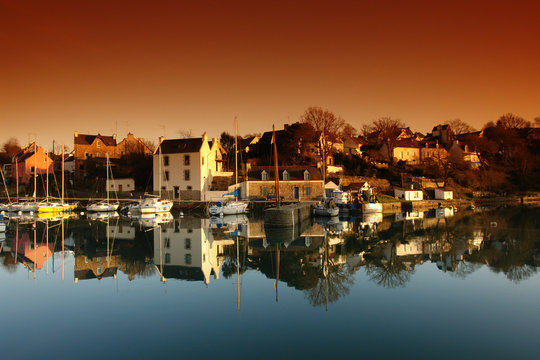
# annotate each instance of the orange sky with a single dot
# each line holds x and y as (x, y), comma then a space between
(158, 67)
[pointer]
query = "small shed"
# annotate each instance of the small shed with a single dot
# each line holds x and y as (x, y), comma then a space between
(121, 185)
(443, 194)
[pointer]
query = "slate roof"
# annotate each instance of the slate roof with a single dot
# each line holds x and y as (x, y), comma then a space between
(85, 139)
(178, 146)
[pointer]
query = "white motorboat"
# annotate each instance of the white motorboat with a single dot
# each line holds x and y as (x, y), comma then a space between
(102, 206)
(326, 208)
(152, 204)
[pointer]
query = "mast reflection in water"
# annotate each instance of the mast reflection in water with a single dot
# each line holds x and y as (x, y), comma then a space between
(362, 269)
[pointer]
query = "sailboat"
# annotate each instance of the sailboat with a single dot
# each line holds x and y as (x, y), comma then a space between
(5, 207)
(152, 204)
(104, 206)
(231, 207)
(56, 206)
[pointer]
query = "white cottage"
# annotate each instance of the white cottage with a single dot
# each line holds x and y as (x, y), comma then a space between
(443, 194)
(186, 167)
(409, 194)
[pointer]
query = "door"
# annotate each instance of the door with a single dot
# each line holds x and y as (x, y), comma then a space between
(120, 188)
(177, 192)
(296, 192)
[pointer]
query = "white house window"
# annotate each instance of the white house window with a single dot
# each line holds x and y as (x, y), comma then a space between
(285, 175)
(307, 175)
(166, 160)
(264, 175)
(187, 259)
(186, 174)
(186, 159)
(166, 176)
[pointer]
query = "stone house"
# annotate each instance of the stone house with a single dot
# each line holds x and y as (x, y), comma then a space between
(133, 145)
(407, 150)
(93, 147)
(296, 183)
(465, 151)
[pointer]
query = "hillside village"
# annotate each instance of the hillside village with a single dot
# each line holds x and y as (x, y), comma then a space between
(500, 159)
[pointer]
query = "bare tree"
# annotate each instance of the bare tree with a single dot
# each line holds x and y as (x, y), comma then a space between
(459, 127)
(537, 121)
(328, 125)
(348, 131)
(185, 133)
(512, 121)
(387, 130)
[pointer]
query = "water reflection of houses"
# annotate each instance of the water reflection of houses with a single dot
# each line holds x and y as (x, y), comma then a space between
(190, 249)
(31, 253)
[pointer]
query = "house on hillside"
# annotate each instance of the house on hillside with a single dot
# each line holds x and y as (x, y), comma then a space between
(187, 167)
(465, 150)
(431, 150)
(133, 145)
(353, 145)
(30, 158)
(407, 150)
(296, 182)
(95, 147)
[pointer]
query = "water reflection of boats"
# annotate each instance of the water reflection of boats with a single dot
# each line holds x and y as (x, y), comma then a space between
(102, 215)
(228, 220)
(330, 224)
(153, 219)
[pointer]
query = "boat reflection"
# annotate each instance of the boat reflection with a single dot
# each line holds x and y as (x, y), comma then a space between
(319, 258)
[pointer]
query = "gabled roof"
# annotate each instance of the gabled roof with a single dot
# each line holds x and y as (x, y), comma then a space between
(178, 146)
(85, 139)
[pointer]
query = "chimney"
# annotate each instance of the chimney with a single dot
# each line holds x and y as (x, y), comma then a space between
(76, 134)
(204, 136)
(114, 136)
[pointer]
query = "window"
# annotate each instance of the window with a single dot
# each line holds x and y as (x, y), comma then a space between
(307, 175)
(166, 176)
(187, 244)
(187, 259)
(86, 155)
(307, 191)
(167, 243)
(264, 175)
(166, 160)
(189, 188)
(186, 159)
(167, 258)
(98, 144)
(202, 159)
(186, 175)
(285, 175)
(203, 257)
(99, 270)
(265, 191)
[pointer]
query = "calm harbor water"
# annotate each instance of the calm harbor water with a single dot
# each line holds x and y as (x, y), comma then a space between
(433, 284)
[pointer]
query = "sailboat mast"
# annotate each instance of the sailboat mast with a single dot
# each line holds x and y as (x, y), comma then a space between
(47, 191)
(62, 176)
(35, 170)
(235, 155)
(159, 170)
(107, 183)
(17, 177)
(276, 171)
(5, 186)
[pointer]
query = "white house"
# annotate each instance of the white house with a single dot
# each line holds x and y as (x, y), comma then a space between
(443, 194)
(185, 167)
(409, 194)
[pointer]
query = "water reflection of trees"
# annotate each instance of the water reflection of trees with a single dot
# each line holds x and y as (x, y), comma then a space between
(328, 289)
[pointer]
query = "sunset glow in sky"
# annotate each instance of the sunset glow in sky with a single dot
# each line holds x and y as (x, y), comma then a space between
(158, 67)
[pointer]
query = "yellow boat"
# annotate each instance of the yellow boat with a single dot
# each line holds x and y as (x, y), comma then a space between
(55, 207)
